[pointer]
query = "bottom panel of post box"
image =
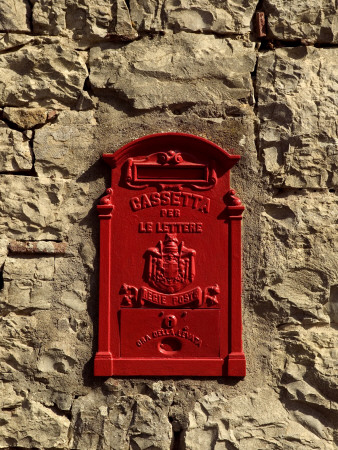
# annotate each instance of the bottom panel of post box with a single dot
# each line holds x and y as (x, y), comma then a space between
(172, 333)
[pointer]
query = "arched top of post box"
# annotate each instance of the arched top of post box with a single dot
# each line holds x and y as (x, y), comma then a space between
(178, 142)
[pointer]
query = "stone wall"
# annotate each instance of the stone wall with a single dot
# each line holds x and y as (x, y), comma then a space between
(82, 77)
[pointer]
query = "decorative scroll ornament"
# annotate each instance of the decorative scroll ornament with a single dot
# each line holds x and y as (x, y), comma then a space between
(170, 266)
(210, 294)
(231, 198)
(129, 295)
(107, 199)
(169, 170)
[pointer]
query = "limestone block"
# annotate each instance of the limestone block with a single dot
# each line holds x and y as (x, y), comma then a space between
(127, 421)
(62, 400)
(89, 414)
(26, 118)
(176, 69)
(48, 73)
(61, 354)
(18, 347)
(313, 353)
(297, 92)
(9, 398)
(15, 153)
(11, 41)
(72, 288)
(85, 21)
(233, 16)
(15, 15)
(33, 426)
(247, 422)
(73, 300)
(64, 149)
(31, 207)
(303, 392)
(54, 358)
(40, 208)
(42, 360)
(299, 258)
(311, 20)
(27, 284)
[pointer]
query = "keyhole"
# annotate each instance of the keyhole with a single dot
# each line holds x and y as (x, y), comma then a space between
(170, 321)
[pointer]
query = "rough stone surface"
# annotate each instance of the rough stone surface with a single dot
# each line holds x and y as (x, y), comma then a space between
(174, 70)
(15, 15)
(15, 152)
(221, 17)
(35, 208)
(85, 21)
(26, 118)
(21, 430)
(63, 149)
(127, 421)
(298, 274)
(245, 423)
(309, 20)
(11, 41)
(47, 73)
(297, 104)
(28, 284)
(82, 83)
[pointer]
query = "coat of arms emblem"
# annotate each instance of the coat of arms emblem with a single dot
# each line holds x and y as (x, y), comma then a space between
(170, 266)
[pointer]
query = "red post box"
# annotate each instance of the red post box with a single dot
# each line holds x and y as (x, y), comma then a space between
(170, 261)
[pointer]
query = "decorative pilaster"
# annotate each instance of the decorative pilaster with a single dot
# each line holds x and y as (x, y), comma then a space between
(103, 363)
(236, 358)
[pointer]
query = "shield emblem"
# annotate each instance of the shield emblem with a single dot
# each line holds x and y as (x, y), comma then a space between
(170, 266)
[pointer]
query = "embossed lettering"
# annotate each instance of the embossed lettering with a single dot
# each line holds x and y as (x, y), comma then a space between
(175, 199)
(198, 228)
(145, 202)
(162, 332)
(155, 198)
(192, 296)
(196, 198)
(170, 213)
(143, 340)
(186, 298)
(205, 205)
(135, 203)
(186, 196)
(179, 227)
(164, 198)
(153, 297)
(145, 227)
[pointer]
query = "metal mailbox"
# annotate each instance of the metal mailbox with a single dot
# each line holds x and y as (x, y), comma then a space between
(170, 261)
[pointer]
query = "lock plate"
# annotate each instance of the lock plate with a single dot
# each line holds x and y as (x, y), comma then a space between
(169, 333)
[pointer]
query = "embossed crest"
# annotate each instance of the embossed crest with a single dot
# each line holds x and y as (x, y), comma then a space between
(170, 266)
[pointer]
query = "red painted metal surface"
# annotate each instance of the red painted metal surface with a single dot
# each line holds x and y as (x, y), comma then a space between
(170, 261)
